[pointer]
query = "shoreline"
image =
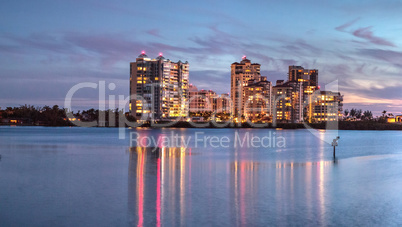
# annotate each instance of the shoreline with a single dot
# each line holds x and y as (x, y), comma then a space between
(342, 125)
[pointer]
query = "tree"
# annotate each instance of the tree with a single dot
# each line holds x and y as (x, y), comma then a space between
(352, 112)
(358, 114)
(346, 112)
(367, 115)
(383, 113)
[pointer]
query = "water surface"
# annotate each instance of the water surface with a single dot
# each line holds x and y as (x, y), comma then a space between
(88, 176)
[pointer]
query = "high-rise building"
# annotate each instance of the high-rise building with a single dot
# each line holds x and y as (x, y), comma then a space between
(201, 101)
(308, 78)
(158, 88)
(325, 106)
(194, 102)
(243, 74)
(287, 102)
(257, 107)
(295, 73)
(223, 104)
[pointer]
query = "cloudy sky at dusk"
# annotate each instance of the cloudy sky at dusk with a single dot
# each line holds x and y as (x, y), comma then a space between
(46, 47)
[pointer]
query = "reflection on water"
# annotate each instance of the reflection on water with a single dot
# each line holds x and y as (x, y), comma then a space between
(89, 177)
(166, 187)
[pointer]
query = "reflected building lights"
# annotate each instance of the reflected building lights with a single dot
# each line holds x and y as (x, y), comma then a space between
(160, 180)
(158, 193)
(159, 190)
(182, 184)
(140, 186)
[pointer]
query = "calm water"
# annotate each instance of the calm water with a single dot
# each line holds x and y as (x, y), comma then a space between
(90, 177)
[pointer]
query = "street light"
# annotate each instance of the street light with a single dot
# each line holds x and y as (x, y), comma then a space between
(335, 143)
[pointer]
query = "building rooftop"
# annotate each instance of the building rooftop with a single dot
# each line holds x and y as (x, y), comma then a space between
(160, 57)
(143, 55)
(258, 83)
(285, 84)
(329, 93)
(244, 61)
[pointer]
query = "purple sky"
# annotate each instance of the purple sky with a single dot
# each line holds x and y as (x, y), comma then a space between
(46, 47)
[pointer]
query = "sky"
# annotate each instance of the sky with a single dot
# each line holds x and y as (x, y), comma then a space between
(47, 47)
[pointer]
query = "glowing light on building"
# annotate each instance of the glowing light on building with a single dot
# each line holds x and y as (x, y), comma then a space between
(171, 98)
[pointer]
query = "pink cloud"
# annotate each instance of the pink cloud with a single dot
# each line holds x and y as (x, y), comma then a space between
(364, 33)
(367, 34)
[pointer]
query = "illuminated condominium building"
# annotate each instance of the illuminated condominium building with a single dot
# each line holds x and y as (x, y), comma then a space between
(287, 102)
(243, 75)
(222, 103)
(257, 107)
(308, 78)
(201, 101)
(325, 106)
(158, 88)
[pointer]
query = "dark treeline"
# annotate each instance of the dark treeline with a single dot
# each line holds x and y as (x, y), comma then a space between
(55, 116)
(30, 115)
(358, 114)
